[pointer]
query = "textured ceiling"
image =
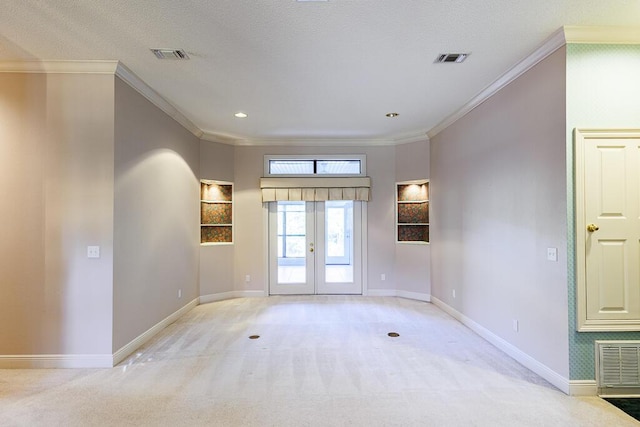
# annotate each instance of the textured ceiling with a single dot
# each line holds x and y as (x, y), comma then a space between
(312, 71)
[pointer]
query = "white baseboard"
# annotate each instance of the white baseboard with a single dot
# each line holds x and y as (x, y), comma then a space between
(126, 350)
(583, 388)
(45, 361)
(562, 383)
(414, 295)
(381, 293)
(251, 294)
(396, 293)
(204, 299)
(61, 361)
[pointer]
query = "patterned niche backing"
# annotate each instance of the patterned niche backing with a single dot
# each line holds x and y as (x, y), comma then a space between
(216, 212)
(412, 212)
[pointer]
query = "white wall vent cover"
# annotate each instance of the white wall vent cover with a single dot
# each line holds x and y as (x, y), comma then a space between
(618, 366)
(177, 54)
(451, 57)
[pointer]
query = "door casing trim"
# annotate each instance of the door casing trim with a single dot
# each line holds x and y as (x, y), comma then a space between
(583, 324)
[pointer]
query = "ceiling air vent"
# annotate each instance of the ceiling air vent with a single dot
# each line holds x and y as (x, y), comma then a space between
(177, 54)
(451, 57)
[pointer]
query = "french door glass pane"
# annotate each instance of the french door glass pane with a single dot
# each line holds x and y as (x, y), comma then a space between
(292, 240)
(339, 243)
(335, 232)
(295, 246)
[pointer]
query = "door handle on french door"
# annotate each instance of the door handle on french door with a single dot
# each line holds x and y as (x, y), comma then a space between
(592, 227)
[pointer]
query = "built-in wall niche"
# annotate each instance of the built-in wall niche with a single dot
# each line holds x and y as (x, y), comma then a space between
(412, 212)
(216, 212)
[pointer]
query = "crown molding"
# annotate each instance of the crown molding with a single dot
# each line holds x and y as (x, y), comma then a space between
(59, 67)
(312, 142)
(315, 142)
(221, 138)
(411, 138)
(602, 35)
(553, 43)
(155, 98)
(295, 142)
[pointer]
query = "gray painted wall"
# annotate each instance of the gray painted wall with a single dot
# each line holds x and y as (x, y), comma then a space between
(498, 186)
(156, 216)
(56, 173)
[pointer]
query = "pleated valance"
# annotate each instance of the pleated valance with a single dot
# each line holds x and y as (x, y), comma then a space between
(315, 189)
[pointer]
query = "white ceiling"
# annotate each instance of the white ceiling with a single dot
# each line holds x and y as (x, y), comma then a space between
(303, 71)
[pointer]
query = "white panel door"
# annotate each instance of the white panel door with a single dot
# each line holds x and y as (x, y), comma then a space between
(315, 248)
(609, 230)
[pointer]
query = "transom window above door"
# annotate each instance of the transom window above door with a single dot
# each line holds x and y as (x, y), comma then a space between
(335, 165)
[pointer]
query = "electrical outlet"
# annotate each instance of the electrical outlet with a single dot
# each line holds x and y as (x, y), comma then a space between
(247, 278)
(383, 277)
(552, 254)
(93, 251)
(453, 292)
(179, 293)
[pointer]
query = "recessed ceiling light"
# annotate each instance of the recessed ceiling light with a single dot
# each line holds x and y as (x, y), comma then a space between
(392, 115)
(240, 115)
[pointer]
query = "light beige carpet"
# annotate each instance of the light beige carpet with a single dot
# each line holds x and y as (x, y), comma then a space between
(319, 361)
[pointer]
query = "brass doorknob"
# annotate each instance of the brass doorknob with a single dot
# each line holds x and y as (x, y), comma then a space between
(592, 227)
(311, 250)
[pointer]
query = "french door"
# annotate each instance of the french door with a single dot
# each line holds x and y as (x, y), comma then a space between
(315, 247)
